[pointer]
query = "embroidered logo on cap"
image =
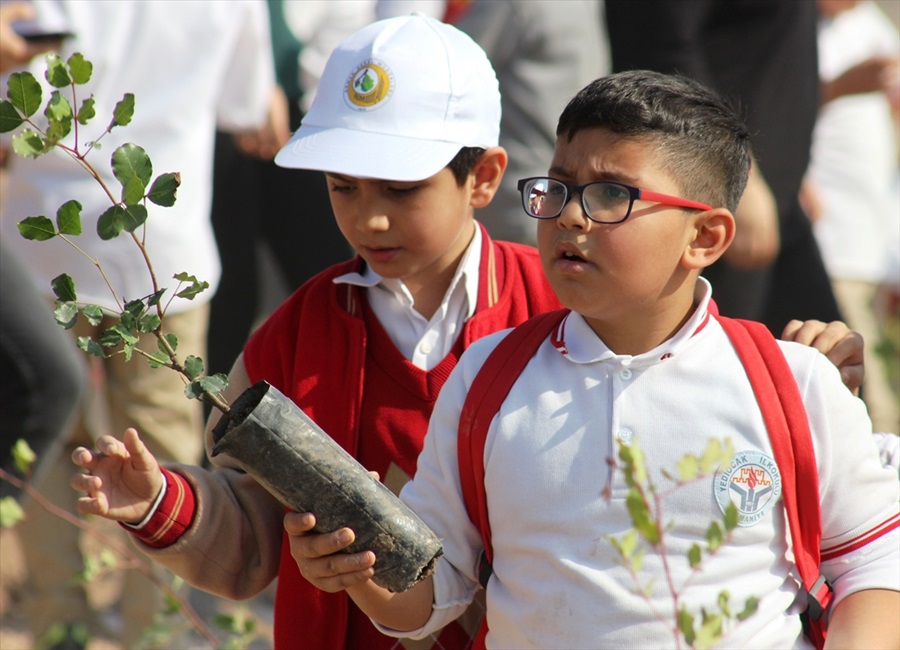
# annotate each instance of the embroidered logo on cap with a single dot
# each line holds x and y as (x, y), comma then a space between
(369, 86)
(752, 482)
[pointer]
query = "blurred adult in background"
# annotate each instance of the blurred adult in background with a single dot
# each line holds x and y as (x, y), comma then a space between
(191, 66)
(40, 370)
(853, 177)
(761, 53)
(544, 52)
(260, 209)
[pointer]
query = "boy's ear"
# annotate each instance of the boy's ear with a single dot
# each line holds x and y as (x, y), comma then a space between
(487, 173)
(713, 234)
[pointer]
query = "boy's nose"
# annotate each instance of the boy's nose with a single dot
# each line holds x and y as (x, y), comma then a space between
(572, 215)
(373, 222)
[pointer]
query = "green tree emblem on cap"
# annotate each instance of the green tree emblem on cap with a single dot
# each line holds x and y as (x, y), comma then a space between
(364, 83)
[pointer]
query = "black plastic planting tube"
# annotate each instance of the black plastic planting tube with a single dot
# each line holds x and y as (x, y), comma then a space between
(274, 441)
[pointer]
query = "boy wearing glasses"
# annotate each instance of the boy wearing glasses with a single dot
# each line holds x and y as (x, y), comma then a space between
(405, 125)
(638, 200)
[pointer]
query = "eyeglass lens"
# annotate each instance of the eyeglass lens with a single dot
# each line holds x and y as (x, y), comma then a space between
(545, 198)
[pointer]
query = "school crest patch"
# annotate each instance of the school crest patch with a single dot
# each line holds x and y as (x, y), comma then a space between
(752, 483)
(369, 86)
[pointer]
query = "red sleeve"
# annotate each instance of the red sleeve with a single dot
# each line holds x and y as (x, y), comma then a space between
(173, 516)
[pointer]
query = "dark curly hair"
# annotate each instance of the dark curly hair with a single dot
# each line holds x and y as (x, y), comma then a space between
(700, 138)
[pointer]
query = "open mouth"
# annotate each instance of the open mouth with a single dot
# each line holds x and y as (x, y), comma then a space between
(571, 257)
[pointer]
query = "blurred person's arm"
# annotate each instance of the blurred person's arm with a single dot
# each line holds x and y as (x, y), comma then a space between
(266, 141)
(756, 239)
(15, 51)
(876, 74)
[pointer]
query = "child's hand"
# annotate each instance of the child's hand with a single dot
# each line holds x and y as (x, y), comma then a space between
(319, 558)
(842, 346)
(122, 481)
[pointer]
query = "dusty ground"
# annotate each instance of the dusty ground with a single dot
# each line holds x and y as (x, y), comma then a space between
(14, 634)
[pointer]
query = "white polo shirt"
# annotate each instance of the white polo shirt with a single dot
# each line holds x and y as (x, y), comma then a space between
(557, 580)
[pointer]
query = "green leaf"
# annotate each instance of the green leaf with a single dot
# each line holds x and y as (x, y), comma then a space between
(193, 390)
(128, 349)
(93, 314)
(730, 519)
(37, 228)
(172, 340)
(709, 632)
(66, 314)
(723, 599)
(688, 467)
(131, 161)
(714, 535)
(28, 144)
(90, 346)
(24, 91)
(123, 111)
(195, 286)
(149, 323)
(9, 117)
(87, 111)
(686, 625)
(133, 191)
(710, 458)
(110, 338)
(640, 516)
(154, 298)
(64, 287)
(11, 512)
(225, 622)
(57, 72)
(127, 336)
(637, 560)
(213, 384)
(80, 68)
(111, 223)
(117, 218)
(694, 556)
(163, 190)
(68, 218)
(58, 108)
(23, 456)
(56, 131)
(750, 608)
(128, 321)
(136, 308)
(193, 366)
(629, 543)
(134, 217)
(158, 359)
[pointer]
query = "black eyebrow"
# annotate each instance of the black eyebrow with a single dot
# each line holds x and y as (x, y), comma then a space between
(607, 177)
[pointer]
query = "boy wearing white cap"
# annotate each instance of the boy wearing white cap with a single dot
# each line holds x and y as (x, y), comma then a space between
(638, 199)
(405, 126)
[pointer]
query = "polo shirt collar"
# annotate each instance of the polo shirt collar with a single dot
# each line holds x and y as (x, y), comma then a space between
(575, 339)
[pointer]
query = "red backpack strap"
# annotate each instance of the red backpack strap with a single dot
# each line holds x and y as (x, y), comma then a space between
(489, 388)
(785, 418)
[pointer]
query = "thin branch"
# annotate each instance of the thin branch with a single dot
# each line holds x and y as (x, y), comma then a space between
(122, 549)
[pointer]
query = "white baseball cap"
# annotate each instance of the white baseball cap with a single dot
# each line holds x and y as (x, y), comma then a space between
(397, 101)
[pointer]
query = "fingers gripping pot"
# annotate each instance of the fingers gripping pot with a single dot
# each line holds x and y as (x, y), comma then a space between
(274, 441)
